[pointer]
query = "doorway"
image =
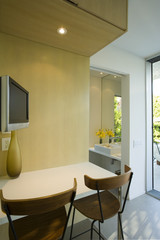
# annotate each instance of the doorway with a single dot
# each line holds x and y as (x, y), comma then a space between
(153, 126)
(156, 124)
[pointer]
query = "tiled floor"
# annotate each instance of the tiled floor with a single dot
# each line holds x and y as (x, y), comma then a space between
(141, 220)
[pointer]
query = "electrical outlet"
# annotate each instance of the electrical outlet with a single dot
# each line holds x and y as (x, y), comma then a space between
(5, 144)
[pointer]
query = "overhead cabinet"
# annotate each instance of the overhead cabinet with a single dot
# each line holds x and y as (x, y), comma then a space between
(112, 11)
(90, 24)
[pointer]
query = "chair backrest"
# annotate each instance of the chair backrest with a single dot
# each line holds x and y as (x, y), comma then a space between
(110, 182)
(39, 205)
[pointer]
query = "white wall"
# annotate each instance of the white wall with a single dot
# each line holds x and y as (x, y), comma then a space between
(117, 60)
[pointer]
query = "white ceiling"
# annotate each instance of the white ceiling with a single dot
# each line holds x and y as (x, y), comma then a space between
(143, 36)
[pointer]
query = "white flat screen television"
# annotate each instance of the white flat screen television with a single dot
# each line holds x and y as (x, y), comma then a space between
(14, 104)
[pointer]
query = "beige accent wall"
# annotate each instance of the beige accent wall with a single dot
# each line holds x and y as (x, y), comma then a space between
(58, 83)
(95, 109)
(110, 88)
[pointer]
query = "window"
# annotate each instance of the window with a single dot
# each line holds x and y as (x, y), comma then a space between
(153, 126)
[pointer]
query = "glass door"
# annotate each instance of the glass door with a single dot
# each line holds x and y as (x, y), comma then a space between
(156, 124)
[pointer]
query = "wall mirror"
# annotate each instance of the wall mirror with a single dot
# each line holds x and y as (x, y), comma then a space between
(105, 89)
(105, 103)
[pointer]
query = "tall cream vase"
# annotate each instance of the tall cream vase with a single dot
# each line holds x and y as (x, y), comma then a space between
(14, 159)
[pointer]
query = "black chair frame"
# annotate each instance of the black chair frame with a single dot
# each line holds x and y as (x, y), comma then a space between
(101, 212)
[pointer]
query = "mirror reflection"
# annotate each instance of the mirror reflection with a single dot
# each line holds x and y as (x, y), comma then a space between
(105, 105)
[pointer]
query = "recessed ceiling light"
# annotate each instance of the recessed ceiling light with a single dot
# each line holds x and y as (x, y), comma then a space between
(62, 30)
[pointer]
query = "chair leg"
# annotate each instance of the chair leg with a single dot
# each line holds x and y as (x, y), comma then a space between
(99, 230)
(91, 236)
(11, 223)
(120, 222)
(72, 224)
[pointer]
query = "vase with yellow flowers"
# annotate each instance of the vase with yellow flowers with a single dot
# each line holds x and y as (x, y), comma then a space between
(101, 134)
(104, 134)
(109, 133)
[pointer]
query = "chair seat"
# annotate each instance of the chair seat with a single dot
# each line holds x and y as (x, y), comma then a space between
(51, 226)
(89, 206)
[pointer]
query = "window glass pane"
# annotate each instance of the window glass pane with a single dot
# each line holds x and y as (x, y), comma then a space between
(117, 117)
(156, 125)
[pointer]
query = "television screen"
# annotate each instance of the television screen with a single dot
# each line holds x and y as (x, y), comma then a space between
(14, 104)
(17, 103)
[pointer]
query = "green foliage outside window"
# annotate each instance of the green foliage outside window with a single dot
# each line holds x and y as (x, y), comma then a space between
(156, 118)
(117, 118)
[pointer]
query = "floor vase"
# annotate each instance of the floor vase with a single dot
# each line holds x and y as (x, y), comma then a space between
(14, 159)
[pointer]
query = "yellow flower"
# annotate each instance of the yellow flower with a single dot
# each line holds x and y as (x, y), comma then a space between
(101, 133)
(98, 133)
(109, 133)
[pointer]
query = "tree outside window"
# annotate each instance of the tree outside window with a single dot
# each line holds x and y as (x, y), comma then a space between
(117, 117)
(156, 118)
(156, 101)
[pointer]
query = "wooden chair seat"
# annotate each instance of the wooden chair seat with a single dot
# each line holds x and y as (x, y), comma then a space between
(47, 226)
(89, 206)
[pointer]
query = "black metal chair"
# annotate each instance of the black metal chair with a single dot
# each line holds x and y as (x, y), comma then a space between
(103, 204)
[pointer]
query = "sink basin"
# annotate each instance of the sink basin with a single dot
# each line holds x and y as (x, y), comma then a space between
(109, 149)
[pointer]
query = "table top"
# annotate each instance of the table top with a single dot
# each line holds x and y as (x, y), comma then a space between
(50, 181)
